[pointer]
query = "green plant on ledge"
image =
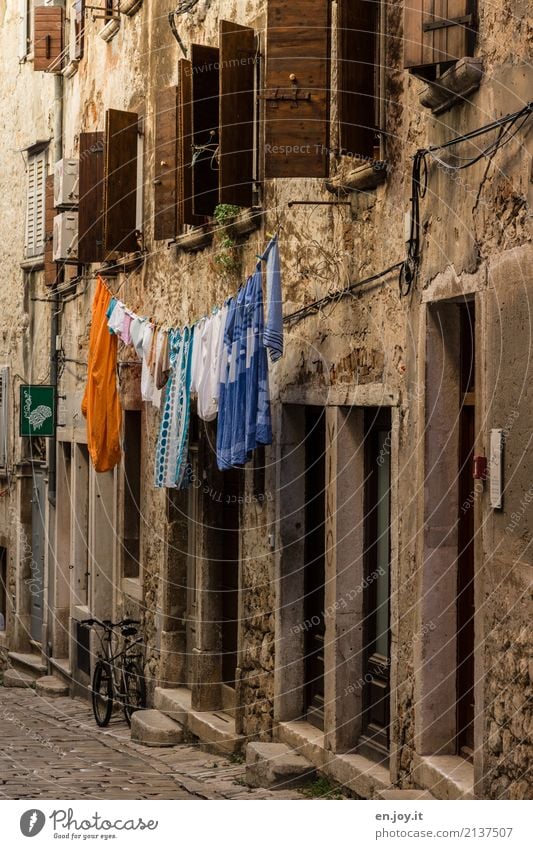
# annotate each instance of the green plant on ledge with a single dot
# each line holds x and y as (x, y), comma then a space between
(226, 258)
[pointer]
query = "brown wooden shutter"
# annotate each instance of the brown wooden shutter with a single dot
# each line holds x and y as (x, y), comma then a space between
(185, 206)
(237, 74)
(47, 38)
(50, 268)
(297, 89)
(437, 31)
(357, 75)
(120, 181)
(205, 117)
(91, 204)
(166, 152)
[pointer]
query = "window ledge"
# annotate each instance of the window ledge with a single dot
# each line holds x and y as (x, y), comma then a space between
(110, 30)
(195, 240)
(129, 7)
(33, 263)
(362, 179)
(70, 68)
(453, 86)
(247, 221)
(133, 587)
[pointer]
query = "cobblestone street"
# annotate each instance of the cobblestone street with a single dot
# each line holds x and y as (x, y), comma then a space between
(52, 749)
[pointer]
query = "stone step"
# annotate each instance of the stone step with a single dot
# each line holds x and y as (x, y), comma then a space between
(153, 728)
(16, 678)
(29, 662)
(444, 776)
(276, 765)
(215, 731)
(51, 686)
(405, 795)
(175, 703)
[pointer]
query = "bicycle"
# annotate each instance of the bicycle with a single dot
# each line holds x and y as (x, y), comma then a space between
(118, 675)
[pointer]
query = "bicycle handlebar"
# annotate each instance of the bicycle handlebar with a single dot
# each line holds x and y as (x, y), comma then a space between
(108, 624)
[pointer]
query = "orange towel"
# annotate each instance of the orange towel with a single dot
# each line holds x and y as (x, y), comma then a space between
(101, 405)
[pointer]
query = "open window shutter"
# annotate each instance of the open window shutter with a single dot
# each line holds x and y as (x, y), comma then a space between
(205, 117)
(166, 152)
(4, 416)
(35, 211)
(237, 73)
(120, 181)
(47, 38)
(357, 75)
(185, 206)
(91, 203)
(79, 28)
(437, 32)
(50, 268)
(297, 89)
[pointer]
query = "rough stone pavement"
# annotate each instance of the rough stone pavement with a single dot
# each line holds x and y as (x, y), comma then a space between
(53, 749)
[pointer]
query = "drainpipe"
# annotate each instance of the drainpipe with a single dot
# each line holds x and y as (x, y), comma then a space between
(56, 302)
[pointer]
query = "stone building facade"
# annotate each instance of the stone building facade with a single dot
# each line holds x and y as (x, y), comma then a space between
(353, 593)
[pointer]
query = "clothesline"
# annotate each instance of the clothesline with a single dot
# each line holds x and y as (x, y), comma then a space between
(221, 359)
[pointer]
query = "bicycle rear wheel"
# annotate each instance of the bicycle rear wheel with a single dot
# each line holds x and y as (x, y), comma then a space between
(134, 689)
(102, 693)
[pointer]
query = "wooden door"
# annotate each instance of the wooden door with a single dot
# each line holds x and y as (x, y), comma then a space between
(229, 571)
(466, 533)
(314, 556)
(376, 600)
(38, 537)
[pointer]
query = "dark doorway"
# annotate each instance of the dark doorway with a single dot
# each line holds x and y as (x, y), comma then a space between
(314, 558)
(466, 531)
(228, 565)
(376, 600)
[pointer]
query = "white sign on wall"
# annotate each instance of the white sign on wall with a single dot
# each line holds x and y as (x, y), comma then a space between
(496, 468)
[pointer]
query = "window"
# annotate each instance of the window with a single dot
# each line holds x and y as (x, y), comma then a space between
(35, 210)
(48, 38)
(3, 588)
(131, 515)
(4, 418)
(435, 37)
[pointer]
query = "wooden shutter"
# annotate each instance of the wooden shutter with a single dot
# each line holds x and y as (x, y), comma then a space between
(120, 181)
(47, 38)
(50, 268)
(357, 75)
(91, 203)
(79, 28)
(237, 101)
(35, 211)
(437, 31)
(297, 89)
(166, 153)
(205, 117)
(185, 140)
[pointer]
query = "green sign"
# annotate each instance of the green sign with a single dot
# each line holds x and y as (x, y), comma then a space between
(37, 411)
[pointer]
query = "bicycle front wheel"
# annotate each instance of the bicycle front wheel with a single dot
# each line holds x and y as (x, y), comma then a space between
(134, 689)
(102, 693)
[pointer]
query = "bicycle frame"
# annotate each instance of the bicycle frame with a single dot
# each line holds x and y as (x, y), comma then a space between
(116, 661)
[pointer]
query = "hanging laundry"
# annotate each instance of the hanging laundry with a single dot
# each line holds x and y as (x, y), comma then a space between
(137, 330)
(162, 370)
(258, 418)
(273, 334)
(115, 318)
(227, 391)
(205, 369)
(172, 444)
(100, 405)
